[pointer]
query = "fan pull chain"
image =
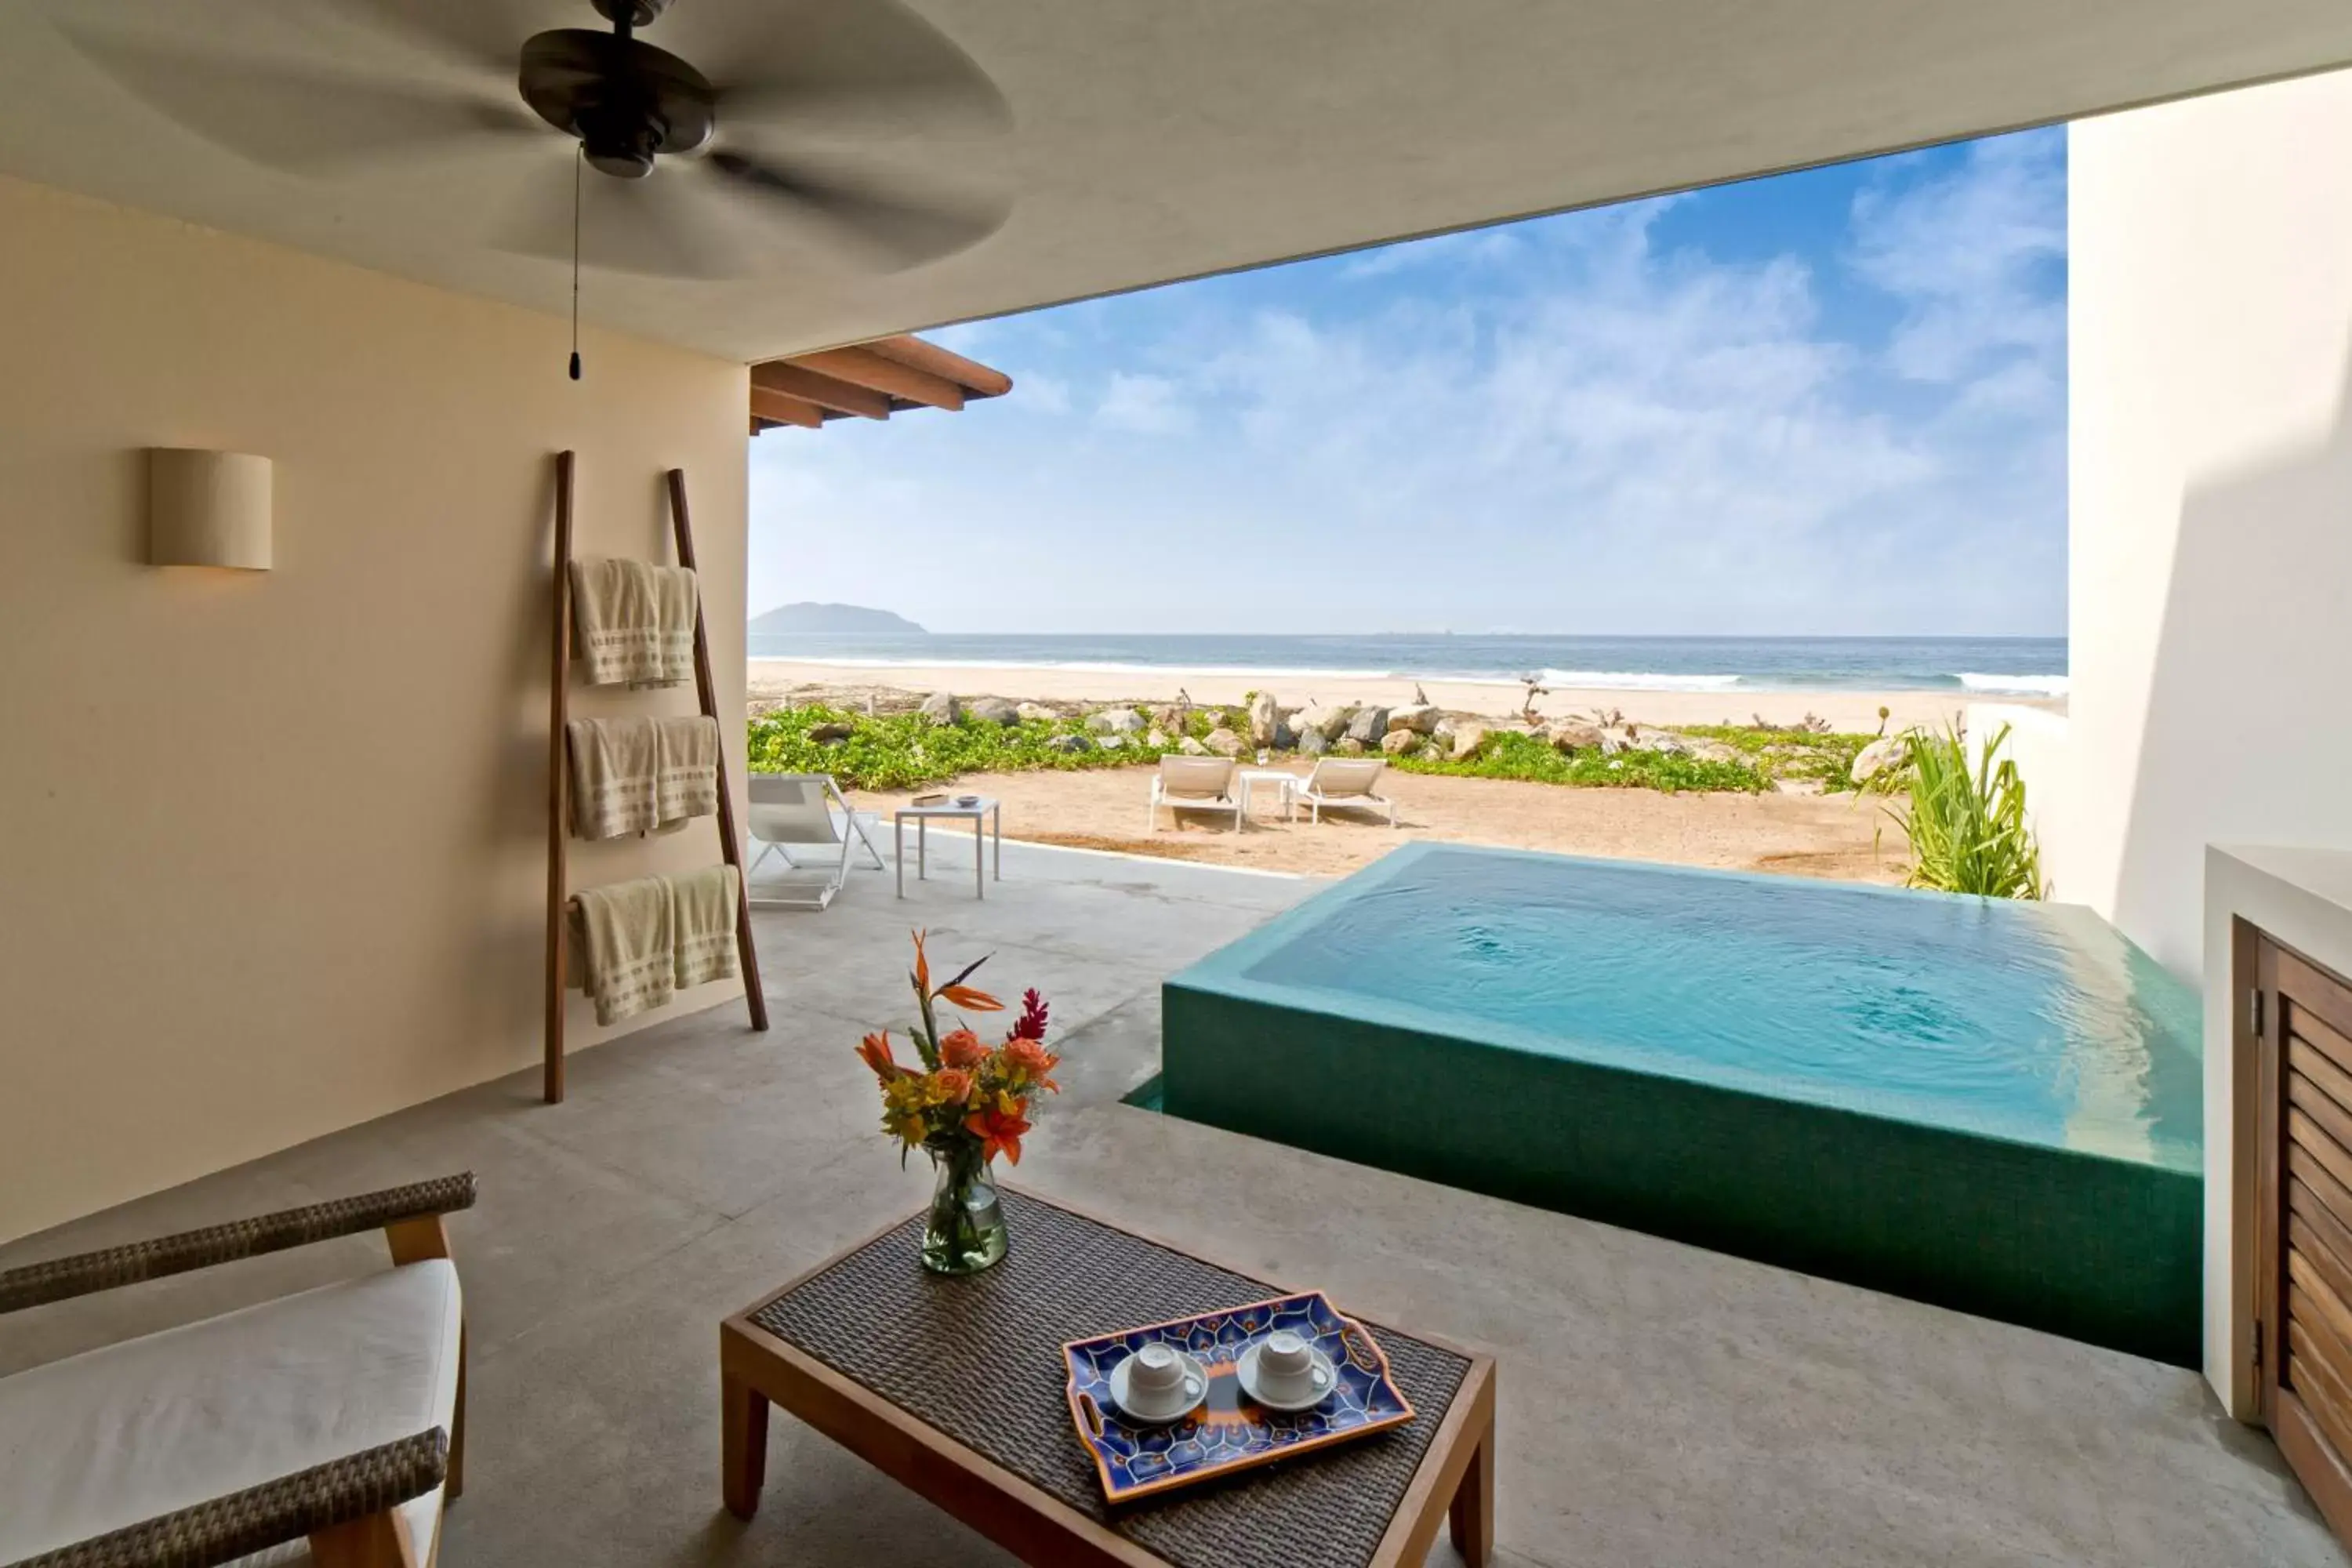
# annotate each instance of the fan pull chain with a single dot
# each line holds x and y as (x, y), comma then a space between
(577, 163)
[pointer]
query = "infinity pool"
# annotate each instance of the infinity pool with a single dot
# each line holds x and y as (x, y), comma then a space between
(1988, 1104)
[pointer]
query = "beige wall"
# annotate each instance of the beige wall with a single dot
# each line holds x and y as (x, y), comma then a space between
(273, 843)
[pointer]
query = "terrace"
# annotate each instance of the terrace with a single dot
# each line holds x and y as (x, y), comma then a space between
(1659, 1404)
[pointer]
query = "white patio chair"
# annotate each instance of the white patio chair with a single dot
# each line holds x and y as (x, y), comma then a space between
(1344, 780)
(1193, 784)
(806, 812)
(337, 1413)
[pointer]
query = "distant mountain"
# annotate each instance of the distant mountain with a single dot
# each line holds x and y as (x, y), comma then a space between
(831, 620)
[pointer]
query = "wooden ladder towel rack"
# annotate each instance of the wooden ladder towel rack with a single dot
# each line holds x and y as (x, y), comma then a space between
(559, 773)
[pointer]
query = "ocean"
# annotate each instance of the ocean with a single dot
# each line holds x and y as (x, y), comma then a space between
(1994, 666)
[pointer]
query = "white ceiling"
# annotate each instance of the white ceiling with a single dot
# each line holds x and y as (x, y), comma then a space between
(1161, 139)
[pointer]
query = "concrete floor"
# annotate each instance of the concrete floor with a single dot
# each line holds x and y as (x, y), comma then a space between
(1659, 1405)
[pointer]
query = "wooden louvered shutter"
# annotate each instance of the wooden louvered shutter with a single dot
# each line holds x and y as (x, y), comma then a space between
(2303, 1311)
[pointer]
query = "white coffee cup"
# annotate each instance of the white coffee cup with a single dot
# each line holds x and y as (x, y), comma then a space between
(1284, 1357)
(1156, 1375)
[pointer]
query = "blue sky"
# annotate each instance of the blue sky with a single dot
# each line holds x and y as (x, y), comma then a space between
(1825, 402)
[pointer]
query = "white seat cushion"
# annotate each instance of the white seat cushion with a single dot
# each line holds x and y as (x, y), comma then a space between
(122, 1434)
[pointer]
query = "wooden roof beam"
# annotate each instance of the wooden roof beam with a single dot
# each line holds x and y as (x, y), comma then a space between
(863, 367)
(977, 379)
(824, 391)
(786, 410)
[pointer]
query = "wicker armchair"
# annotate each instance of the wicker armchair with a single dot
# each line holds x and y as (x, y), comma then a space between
(83, 1459)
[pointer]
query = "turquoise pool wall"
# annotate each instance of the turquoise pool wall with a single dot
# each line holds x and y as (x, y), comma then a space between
(2086, 1242)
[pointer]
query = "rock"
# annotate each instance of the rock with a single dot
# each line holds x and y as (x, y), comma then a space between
(1171, 717)
(1112, 742)
(1265, 717)
(1576, 735)
(1467, 742)
(1116, 721)
(1879, 756)
(1347, 746)
(1311, 744)
(1225, 742)
(1285, 738)
(1611, 744)
(1070, 743)
(993, 710)
(1368, 725)
(1716, 752)
(1191, 748)
(1421, 718)
(1397, 743)
(1662, 740)
(1030, 712)
(830, 734)
(1325, 720)
(941, 707)
(1157, 740)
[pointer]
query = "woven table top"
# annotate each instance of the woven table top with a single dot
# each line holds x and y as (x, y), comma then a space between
(979, 1359)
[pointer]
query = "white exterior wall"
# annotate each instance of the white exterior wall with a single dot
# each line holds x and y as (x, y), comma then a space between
(2210, 322)
(2210, 499)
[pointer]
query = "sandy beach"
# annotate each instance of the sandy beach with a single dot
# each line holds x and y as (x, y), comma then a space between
(777, 680)
(1807, 835)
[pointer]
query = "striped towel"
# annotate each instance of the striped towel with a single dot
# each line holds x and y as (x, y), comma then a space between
(616, 771)
(705, 903)
(624, 945)
(634, 622)
(687, 768)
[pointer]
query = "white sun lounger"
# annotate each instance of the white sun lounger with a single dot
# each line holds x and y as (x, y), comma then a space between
(1344, 780)
(1193, 784)
(806, 812)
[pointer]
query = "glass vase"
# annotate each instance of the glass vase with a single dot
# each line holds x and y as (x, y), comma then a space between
(965, 1232)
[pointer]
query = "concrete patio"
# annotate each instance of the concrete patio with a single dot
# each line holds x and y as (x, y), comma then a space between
(1658, 1404)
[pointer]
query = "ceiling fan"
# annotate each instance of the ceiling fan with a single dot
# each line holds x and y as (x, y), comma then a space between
(683, 177)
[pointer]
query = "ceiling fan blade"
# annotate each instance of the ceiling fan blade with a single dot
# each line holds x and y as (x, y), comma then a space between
(898, 230)
(485, 33)
(855, 66)
(657, 226)
(297, 121)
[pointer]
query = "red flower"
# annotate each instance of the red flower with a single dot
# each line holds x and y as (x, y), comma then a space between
(962, 1048)
(999, 1133)
(1031, 1025)
(874, 1052)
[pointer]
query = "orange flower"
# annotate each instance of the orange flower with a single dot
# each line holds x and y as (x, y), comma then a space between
(962, 1048)
(999, 1132)
(1033, 1061)
(922, 966)
(954, 1085)
(972, 999)
(874, 1052)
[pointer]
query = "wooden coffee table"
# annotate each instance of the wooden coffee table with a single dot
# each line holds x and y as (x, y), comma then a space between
(955, 1389)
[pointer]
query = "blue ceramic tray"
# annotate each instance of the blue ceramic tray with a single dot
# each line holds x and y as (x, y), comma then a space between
(1229, 1432)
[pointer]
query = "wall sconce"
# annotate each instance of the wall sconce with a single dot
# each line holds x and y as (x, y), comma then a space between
(207, 508)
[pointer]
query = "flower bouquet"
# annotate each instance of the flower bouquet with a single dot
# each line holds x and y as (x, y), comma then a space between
(964, 1105)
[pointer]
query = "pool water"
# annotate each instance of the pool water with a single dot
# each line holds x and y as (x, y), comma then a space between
(2037, 1022)
(1989, 1105)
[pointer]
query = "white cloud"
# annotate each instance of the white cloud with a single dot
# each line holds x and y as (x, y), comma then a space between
(1143, 404)
(1599, 432)
(1970, 254)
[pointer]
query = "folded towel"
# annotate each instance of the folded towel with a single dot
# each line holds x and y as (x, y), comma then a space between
(616, 768)
(686, 757)
(624, 945)
(678, 606)
(634, 622)
(705, 905)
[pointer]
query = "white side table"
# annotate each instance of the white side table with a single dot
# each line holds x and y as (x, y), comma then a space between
(978, 811)
(1284, 785)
